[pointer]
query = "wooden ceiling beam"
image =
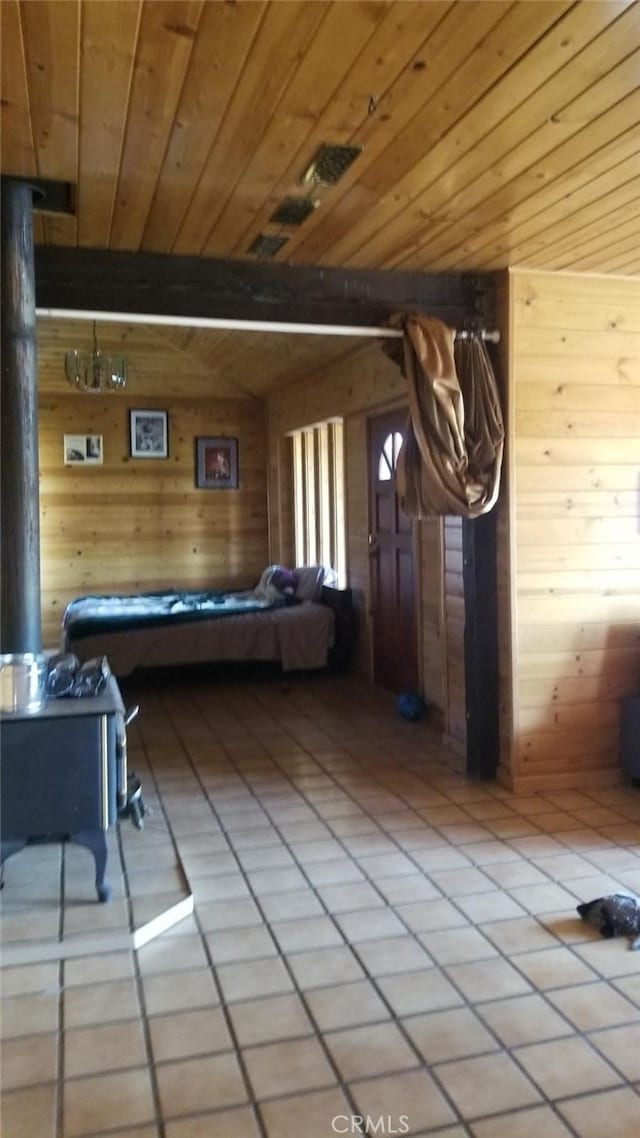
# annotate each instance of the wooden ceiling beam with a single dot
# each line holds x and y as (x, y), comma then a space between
(168, 285)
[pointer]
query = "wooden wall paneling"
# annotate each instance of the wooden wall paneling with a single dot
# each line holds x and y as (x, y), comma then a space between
(154, 368)
(579, 637)
(281, 501)
(355, 386)
(329, 57)
(165, 43)
(287, 544)
(577, 534)
(454, 606)
(566, 691)
(584, 662)
(285, 33)
(51, 43)
(582, 345)
(389, 59)
(136, 524)
(366, 379)
(533, 452)
(432, 631)
(410, 102)
(357, 525)
(557, 300)
(225, 35)
(211, 379)
(578, 424)
(306, 359)
(107, 48)
(566, 396)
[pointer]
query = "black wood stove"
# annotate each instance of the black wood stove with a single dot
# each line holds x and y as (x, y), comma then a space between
(64, 775)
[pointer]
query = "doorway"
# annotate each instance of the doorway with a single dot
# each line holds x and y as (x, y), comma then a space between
(394, 616)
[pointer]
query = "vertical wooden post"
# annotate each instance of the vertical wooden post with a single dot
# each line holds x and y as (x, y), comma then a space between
(20, 620)
(481, 644)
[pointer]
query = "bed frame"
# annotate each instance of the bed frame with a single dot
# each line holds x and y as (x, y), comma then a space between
(164, 644)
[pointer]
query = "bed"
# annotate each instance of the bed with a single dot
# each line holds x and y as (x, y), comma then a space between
(311, 630)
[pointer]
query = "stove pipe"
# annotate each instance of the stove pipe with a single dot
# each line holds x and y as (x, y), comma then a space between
(20, 620)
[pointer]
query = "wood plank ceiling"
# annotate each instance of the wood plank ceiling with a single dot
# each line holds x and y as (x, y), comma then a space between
(193, 363)
(494, 133)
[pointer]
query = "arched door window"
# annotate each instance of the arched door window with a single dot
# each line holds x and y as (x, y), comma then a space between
(389, 456)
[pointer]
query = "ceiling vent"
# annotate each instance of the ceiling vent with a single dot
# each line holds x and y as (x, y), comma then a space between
(329, 164)
(267, 244)
(293, 211)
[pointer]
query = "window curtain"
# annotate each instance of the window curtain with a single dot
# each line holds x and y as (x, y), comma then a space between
(451, 457)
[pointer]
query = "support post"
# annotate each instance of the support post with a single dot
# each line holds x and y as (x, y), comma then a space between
(20, 619)
(479, 538)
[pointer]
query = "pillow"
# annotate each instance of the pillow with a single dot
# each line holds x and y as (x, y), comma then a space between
(309, 582)
(260, 589)
(275, 583)
(284, 580)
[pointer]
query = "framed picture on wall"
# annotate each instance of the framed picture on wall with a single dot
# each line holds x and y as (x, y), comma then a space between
(217, 463)
(149, 432)
(83, 450)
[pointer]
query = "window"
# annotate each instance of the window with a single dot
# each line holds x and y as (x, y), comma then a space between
(389, 456)
(318, 484)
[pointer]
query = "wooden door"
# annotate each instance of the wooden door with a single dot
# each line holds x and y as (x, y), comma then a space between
(391, 550)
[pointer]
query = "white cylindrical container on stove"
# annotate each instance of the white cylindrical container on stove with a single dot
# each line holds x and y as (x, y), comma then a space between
(22, 682)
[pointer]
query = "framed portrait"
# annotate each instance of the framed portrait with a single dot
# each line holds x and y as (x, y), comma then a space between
(149, 432)
(217, 463)
(82, 450)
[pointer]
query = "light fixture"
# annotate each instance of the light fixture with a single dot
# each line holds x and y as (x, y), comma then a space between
(95, 371)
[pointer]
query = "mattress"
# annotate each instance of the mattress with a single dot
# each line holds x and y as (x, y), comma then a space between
(298, 636)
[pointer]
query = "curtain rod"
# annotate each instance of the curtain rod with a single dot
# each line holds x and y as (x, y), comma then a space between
(244, 325)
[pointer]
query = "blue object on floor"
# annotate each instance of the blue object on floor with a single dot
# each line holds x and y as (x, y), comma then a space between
(411, 706)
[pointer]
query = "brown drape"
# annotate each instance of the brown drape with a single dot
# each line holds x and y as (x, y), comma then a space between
(452, 453)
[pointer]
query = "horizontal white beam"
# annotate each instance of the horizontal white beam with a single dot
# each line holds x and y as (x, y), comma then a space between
(239, 325)
(215, 322)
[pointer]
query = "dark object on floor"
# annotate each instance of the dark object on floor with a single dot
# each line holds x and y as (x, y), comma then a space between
(135, 807)
(411, 706)
(617, 915)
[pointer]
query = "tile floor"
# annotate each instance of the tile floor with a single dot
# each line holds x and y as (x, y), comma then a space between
(374, 935)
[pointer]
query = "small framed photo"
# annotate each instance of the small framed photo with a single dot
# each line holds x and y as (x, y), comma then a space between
(149, 432)
(83, 450)
(217, 463)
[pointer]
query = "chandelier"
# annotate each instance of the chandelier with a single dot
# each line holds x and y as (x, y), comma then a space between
(95, 371)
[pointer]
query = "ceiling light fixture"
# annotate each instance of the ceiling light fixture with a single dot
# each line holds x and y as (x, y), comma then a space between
(94, 371)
